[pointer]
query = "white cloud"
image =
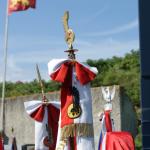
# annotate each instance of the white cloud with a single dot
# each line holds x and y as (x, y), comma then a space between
(123, 28)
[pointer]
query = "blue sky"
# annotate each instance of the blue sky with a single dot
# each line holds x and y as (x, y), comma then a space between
(103, 28)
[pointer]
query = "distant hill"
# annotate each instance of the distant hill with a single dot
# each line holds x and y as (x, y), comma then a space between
(116, 70)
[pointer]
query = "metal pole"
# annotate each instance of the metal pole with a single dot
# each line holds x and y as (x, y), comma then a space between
(5, 67)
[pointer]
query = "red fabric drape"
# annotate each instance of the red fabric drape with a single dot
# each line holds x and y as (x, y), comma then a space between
(84, 75)
(38, 114)
(119, 141)
(1, 143)
(62, 73)
(116, 140)
(108, 121)
(53, 118)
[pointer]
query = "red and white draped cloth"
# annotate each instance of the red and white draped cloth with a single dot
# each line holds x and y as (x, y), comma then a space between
(74, 74)
(112, 140)
(46, 118)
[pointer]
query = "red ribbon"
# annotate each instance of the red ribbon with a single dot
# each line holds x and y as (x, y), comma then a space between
(108, 121)
(84, 75)
(38, 114)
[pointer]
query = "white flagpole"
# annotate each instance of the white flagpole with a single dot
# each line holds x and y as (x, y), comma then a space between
(5, 67)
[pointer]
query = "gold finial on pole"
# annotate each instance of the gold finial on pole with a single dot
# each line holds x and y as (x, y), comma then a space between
(69, 34)
(41, 84)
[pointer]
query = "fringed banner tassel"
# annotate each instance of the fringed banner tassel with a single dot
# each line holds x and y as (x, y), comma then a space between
(83, 129)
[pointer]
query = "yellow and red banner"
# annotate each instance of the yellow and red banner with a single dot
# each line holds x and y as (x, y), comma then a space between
(20, 5)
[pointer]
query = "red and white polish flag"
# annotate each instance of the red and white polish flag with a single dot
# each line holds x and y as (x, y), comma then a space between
(46, 118)
(74, 74)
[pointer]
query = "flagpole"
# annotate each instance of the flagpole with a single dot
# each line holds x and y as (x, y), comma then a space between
(5, 67)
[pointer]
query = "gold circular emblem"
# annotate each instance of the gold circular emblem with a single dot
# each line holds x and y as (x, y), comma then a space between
(74, 111)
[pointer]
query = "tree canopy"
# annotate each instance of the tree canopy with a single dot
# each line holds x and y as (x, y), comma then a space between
(123, 71)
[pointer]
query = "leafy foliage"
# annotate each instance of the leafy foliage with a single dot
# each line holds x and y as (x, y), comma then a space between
(27, 88)
(122, 71)
(138, 139)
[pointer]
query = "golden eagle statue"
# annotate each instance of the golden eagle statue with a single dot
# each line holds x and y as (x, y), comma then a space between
(69, 34)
